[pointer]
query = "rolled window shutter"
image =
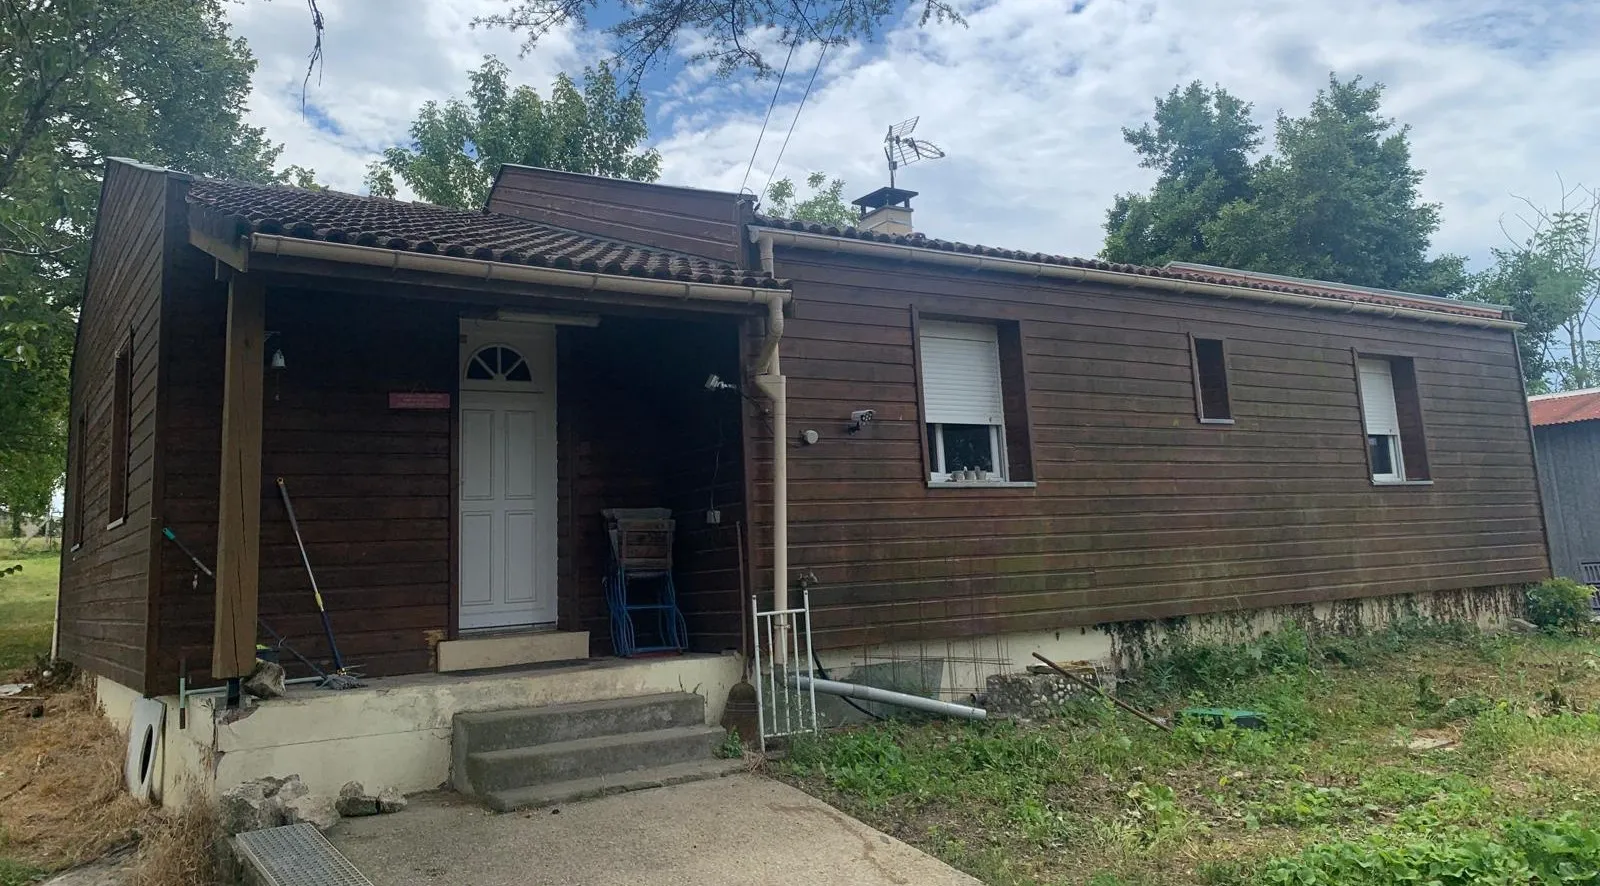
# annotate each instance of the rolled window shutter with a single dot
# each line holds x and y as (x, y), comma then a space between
(961, 373)
(1377, 398)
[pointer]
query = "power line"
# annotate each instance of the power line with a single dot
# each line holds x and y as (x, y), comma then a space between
(820, 56)
(770, 105)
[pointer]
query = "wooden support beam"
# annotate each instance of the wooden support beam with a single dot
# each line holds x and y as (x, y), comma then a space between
(239, 501)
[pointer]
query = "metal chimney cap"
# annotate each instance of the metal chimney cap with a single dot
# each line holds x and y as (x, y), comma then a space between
(884, 197)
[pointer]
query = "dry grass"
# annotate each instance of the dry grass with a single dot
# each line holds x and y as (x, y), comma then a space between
(62, 801)
(61, 793)
(178, 847)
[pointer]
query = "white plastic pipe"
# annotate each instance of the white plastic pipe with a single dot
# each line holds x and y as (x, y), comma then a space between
(884, 696)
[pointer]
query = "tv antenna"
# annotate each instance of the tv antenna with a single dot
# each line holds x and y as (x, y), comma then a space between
(900, 149)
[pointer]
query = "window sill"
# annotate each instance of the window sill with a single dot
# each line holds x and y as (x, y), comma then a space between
(1402, 482)
(1216, 421)
(117, 522)
(981, 484)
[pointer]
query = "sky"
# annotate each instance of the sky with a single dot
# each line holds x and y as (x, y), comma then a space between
(1028, 100)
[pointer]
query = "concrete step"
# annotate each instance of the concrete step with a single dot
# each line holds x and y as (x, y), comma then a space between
(490, 771)
(603, 785)
(525, 727)
(505, 650)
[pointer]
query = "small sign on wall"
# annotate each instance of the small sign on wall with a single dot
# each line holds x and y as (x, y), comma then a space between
(418, 400)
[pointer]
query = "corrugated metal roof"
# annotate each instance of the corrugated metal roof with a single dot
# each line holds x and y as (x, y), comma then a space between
(1565, 407)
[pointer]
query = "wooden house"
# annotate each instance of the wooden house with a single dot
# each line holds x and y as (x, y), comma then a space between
(941, 442)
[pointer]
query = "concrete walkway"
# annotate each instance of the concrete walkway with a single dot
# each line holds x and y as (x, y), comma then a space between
(736, 830)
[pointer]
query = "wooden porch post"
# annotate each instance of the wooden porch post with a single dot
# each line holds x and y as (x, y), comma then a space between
(233, 650)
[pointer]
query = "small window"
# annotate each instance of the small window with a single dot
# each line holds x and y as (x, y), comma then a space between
(498, 363)
(1391, 411)
(121, 405)
(1211, 380)
(963, 404)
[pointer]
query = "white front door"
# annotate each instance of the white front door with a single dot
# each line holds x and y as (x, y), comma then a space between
(508, 475)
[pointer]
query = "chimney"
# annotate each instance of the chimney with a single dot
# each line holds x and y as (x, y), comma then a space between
(886, 211)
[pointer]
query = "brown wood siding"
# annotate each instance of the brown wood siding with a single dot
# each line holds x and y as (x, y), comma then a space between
(1139, 511)
(370, 485)
(105, 575)
(637, 429)
(705, 223)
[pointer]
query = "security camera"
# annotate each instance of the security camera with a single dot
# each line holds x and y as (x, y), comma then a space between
(714, 382)
(860, 418)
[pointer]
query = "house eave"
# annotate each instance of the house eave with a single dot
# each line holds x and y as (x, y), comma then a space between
(398, 260)
(968, 261)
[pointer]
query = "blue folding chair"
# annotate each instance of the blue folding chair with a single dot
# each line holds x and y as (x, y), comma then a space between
(638, 584)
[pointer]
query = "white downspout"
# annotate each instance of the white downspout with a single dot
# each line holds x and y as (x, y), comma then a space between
(772, 383)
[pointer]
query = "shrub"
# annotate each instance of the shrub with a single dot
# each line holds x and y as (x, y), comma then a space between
(1559, 604)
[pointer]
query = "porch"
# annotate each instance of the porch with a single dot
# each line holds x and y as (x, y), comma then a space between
(449, 446)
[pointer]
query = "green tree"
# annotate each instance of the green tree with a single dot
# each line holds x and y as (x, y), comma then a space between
(81, 80)
(458, 148)
(724, 31)
(1200, 142)
(823, 205)
(1338, 200)
(1550, 276)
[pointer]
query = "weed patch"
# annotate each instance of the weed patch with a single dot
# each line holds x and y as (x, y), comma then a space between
(1416, 754)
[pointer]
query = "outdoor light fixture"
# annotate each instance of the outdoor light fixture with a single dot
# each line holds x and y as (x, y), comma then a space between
(277, 359)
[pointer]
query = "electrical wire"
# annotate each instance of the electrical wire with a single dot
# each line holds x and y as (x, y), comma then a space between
(822, 54)
(770, 105)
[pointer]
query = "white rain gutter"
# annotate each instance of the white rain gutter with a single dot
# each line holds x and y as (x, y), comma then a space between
(767, 238)
(767, 376)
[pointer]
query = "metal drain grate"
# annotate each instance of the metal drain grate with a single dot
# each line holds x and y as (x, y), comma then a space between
(296, 855)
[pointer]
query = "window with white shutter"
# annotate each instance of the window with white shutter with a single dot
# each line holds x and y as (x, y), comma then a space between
(1391, 411)
(962, 401)
(1381, 418)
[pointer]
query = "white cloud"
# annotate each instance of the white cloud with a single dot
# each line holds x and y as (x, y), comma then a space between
(1028, 100)
(382, 59)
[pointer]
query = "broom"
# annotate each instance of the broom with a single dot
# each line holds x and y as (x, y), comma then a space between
(739, 715)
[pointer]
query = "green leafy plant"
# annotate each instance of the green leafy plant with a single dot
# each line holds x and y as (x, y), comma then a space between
(732, 746)
(1559, 604)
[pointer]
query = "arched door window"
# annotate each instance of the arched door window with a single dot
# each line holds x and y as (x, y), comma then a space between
(498, 363)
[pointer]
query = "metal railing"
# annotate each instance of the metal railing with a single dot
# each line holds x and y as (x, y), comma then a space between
(782, 707)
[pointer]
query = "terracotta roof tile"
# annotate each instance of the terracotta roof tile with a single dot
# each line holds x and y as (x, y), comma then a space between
(1564, 408)
(233, 210)
(1178, 272)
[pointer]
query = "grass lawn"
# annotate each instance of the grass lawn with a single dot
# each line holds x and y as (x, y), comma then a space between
(1426, 755)
(27, 607)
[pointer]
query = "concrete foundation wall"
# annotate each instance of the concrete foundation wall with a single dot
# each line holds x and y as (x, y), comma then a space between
(955, 670)
(395, 732)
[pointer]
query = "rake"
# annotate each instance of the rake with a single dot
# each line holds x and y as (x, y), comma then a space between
(340, 677)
